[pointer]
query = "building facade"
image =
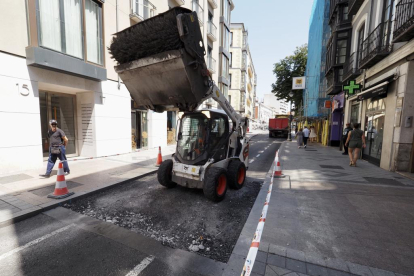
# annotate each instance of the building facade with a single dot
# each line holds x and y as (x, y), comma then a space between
(64, 72)
(381, 62)
(263, 113)
(279, 107)
(243, 78)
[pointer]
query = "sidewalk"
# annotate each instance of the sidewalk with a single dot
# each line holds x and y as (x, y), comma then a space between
(25, 194)
(327, 218)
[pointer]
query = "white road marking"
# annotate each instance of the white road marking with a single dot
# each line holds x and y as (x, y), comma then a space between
(142, 265)
(36, 241)
(257, 155)
(251, 161)
(261, 151)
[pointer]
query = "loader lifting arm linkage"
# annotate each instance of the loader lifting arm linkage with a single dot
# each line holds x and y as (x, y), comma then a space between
(240, 124)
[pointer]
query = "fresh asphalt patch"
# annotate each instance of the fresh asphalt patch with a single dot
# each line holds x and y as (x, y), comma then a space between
(179, 218)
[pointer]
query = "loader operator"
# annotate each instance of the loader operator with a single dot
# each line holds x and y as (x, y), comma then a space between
(200, 142)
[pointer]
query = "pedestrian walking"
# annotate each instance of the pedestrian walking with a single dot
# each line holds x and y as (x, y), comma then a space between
(57, 149)
(312, 135)
(345, 136)
(299, 138)
(356, 141)
(306, 133)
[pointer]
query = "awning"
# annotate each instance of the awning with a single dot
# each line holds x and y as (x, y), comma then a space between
(377, 90)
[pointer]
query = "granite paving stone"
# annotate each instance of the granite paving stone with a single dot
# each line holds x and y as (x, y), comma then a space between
(316, 270)
(279, 271)
(276, 260)
(261, 257)
(295, 265)
(360, 270)
(259, 268)
(295, 254)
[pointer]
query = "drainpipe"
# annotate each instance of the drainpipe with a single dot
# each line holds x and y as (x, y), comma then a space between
(117, 26)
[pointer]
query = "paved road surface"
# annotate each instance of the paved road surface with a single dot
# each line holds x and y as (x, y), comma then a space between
(63, 242)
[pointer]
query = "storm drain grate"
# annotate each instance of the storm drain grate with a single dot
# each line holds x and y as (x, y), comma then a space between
(386, 181)
(14, 178)
(50, 189)
(331, 167)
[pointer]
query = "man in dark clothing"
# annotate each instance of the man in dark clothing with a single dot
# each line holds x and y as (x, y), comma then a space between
(57, 149)
(345, 136)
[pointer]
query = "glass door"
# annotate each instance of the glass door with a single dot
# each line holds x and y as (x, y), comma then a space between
(374, 131)
(59, 107)
(144, 128)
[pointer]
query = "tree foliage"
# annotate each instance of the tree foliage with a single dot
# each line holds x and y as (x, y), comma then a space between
(285, 70)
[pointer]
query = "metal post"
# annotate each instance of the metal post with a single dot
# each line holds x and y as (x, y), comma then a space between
(290, 123)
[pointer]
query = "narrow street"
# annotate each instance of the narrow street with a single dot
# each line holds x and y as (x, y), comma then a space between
(138, 228)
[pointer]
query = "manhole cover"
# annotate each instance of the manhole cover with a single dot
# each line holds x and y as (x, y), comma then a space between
(386, 181)
(14, 178)
(50, 189)
(331, 167)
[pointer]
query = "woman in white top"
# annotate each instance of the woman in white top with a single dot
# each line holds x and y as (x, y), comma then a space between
(312, 135)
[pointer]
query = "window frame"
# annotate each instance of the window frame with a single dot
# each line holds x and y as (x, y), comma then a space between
(35, 30)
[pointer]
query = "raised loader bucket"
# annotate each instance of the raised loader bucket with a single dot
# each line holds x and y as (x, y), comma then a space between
(161, 61)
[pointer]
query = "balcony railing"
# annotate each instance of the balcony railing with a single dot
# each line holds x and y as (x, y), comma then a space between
(211, 31)
(351, 68)
(213, 3)
(211, 63)
(200, 11)
(404, 21)
(376, 46)
(354, 6)
(142, 10)
(244, 62)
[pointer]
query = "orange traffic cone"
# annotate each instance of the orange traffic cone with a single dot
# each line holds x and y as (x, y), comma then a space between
(159, 158)
(61, 190)
(278, 170)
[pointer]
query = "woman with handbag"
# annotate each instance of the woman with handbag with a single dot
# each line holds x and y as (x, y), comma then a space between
(57, 149)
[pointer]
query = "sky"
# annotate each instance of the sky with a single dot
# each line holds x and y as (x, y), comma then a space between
(276, 28)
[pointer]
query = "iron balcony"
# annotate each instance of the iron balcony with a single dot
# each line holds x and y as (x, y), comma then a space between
(351, 68)
(376, 46)
(404, 21)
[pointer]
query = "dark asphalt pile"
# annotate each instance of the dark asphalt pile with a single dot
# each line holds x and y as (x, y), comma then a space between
(149, 37)
(179, 217)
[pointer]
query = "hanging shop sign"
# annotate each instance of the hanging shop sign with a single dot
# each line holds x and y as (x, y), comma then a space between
(351, 88)
(299, 83)
(379, 90)
(328, 104)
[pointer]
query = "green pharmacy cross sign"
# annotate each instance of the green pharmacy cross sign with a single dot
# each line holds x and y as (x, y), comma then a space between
(351, 87)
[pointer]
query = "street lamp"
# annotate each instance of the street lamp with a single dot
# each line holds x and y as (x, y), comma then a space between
(290, 117)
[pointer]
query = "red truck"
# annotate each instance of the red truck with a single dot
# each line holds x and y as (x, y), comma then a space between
(279, 127)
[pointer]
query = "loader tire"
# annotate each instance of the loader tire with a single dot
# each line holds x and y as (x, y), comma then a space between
(236, 174)
(215, 184)
(164, 174)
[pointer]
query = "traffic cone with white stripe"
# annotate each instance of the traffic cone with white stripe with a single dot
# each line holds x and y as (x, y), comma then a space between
(61, 190)
(159, 158)
(278, 168)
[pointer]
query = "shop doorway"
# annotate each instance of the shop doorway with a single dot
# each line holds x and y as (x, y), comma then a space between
(59, 107)
(171, 127)
(139, 129)
(374, 131)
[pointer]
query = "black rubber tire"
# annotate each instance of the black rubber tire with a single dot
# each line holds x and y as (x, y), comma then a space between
(270, 135)
(164, 174)
(233, 174)
(211, 182)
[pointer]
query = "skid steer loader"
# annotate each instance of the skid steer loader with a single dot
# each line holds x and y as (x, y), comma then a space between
(161, 62)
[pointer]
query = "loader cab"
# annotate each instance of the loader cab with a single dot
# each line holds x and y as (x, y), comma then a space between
(202, 135)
